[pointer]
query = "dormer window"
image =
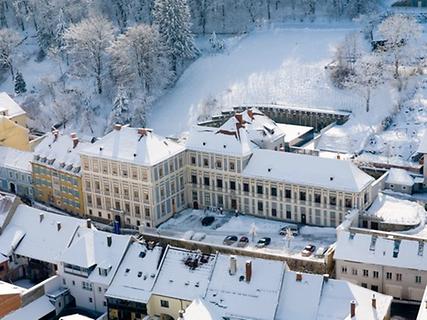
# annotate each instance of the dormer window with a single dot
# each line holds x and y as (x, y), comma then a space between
(103, 272)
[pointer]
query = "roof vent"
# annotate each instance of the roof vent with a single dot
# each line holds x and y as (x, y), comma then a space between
(58, 226)
(41, 216)
(233, 265)
(142, 254)
(331, 178)
(204, 143)
(225, 146)
(88, 223)
(75, 142)
(352, 309)
(269, 169)
(325, 277)
(298, 276)
(374, 301)
(134, 155)
(248, 271)
(101, 148)
(139, 274)
(109, 241)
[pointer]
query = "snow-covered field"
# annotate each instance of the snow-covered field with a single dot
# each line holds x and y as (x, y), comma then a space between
(283, 65)
(188, 223)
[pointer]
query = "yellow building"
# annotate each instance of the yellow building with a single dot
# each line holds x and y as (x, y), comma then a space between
(11, 110)
(13, 135)
(56, 172)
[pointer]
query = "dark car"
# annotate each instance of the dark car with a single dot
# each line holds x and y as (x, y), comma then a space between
(308, 250)
(243, 242)
(263, 242)
(207, 221)
(229, 240)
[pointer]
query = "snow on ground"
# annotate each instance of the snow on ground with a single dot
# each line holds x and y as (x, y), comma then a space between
(400, 141)
(397, 211)
(283, 65)
(188, 222)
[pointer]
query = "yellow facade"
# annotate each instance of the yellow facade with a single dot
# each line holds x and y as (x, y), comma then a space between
(20, 119)
(13, 135)
(174, 305)
(58, 188)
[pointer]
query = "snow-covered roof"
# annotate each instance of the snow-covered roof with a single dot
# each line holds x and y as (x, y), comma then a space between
(139, 146)
(200, 309)
(6, 203)
(400, 177)
(376, 249)
(423, 143)
(333, 174)
(8, 288)
(259, 127)
(213, 140)
(9, 107)
(15, 159)
(396, 211)
(317, 298)
(422, 312)
(184, 274)
(37, 309)
(60, 151)
(256, 299)
(75, 317)
(89, 247)
(38, 234)
(135, 277)
(293, 131)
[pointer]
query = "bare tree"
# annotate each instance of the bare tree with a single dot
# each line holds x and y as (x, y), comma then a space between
(9, 40)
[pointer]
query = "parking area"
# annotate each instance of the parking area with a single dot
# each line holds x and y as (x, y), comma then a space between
(248, 232)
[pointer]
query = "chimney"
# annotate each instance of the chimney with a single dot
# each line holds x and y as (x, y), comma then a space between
(374, 301)
(251, 114)
(142, 132)
(338, 156)
(73, 135)
(248, 270)
(180, 315)
(298, 276)
(233, 265)
(109, 241)
(41, 216)
(352, 309)
(325, 277)
(117, 127)
(58, 226)
(88, 223)
(239, 118)
(55, 135)
(75, 142)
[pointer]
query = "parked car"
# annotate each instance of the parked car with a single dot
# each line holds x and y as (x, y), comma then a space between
(243, 242)
(198, 236)
(229, 240)
(292, 227)
(188, 235)
(308, 250)
(263, 242)
(320, 252)
(207, 221)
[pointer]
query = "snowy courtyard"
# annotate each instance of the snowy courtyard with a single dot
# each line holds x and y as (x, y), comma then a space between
(187, 225)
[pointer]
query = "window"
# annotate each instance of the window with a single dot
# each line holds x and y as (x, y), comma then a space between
(417, 279)
(343, 269)
(90, 300)
(364, 285)
(206, 181)
(398, 277)
(259, 189)
(365, 273)
(205, 162)
(164, 303)
(246, 187)
(374, 288)
(388, 275)
(193, 179)
(333, 200)
(348, 203)
(193, 160)
(273, 212)
(218, 164)
(317, 198)
(288, 214)
(233, 185)
(232, 166)
(302, 195)
(287, 193)
(375, 274)
(354, 272)
(219, 183)
(274, 191)
(260, 206)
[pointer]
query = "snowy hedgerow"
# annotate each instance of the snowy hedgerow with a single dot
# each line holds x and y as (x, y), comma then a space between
(174, 22)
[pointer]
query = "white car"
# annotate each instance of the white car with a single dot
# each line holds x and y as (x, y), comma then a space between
(320, 252)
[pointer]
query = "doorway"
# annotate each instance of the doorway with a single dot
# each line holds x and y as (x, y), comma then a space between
(12, 188)
(195, 205)
(303, 218)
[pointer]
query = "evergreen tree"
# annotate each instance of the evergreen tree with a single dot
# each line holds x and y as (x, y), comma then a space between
(174, 22)
(120, 112)
(20, 86)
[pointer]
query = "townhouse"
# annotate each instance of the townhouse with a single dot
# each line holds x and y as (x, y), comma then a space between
(57, 172)
(15, 172)
(133, 176)
(12, 111)
(390, 263)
